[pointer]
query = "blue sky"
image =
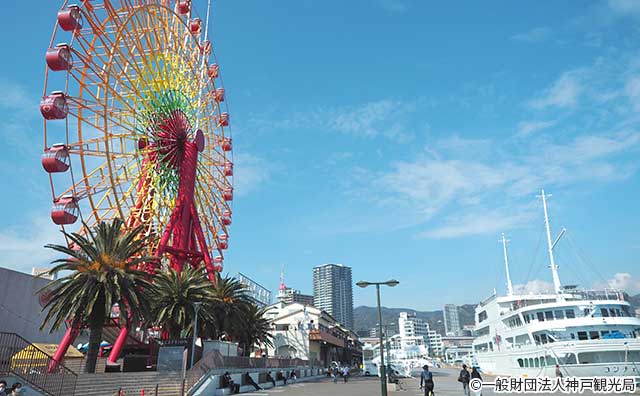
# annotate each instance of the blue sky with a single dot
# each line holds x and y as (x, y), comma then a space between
(397, 137)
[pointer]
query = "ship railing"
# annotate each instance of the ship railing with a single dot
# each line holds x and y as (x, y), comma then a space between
(604, 294)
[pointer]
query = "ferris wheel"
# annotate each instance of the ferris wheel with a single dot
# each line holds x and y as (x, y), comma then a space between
(136, 127)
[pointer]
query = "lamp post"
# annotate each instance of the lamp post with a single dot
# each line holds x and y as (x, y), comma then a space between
(196, 307)
(383, 374)
(387, 342)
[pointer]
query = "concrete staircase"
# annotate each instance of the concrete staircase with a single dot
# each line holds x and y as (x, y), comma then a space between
(107, 384)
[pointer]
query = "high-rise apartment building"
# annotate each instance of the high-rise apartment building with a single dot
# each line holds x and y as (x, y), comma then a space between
(451, 320)
(333, 292)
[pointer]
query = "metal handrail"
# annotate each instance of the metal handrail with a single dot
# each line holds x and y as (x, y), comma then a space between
(21, 358)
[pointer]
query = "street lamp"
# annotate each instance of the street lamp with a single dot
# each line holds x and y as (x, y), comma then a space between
(196, 307)
(383, 373)
(387, 341)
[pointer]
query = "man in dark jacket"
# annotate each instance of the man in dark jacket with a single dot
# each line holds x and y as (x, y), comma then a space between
(464, 378)
(426, 381)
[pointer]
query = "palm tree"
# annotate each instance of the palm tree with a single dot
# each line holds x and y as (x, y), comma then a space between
(174, 294)
(253, 329)
(227, 307)
(103, 271)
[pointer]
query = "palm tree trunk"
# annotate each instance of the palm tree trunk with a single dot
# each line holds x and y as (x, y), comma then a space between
(95, 336)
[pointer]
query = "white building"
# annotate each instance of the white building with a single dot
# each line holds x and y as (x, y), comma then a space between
(414, 329)
(436, 347)
(305, 332)
(411, 326)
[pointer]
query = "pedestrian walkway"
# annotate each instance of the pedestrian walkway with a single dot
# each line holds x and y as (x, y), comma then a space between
(446, 384)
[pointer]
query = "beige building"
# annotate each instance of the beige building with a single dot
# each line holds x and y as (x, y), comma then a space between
(305, 332)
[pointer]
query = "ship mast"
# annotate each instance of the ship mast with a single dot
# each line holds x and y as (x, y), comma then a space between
(506, 265)
(552, 262)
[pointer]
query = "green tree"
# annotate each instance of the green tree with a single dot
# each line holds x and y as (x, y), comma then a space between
(104, 271)
(174, 294)
(253, 330)
(227, 308)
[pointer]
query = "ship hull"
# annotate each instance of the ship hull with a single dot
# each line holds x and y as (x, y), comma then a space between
(508, 362)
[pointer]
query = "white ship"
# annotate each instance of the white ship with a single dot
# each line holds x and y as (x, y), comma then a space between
(588, 333)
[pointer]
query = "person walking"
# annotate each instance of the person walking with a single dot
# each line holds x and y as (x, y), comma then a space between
(476, 374)
(464, 378)
(3, 388)
(426, 381)
(335, 371)
(345, 374)
(558, 371)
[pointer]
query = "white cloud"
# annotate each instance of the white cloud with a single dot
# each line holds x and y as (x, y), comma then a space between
(623, 281)
(479, 223)
(536, 286)
(526, 128)
(632, 90)
(625, 7)
(534, 35)
(22, 248)
(459, 192)
(564, 92)
(250, 172)
(382, 118)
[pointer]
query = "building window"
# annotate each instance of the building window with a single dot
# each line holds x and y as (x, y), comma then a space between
(559, 315)
(586, 311)
(594, 335)
(540, 316)
(520, 363)
(482, 316)
(570, 314)
(548, 315)
(604, 312)
(582, 335)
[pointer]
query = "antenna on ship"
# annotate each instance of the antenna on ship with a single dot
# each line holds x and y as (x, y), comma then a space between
(506, 264)
(552, 262)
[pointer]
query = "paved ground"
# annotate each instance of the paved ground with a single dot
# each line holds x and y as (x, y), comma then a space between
(445, 385)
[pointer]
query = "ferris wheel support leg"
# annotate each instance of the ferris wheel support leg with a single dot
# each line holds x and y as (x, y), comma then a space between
(197, 228)
(69, 337)
(166, 234)
(117, 346)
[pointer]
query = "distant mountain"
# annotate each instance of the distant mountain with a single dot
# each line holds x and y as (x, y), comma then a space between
(365, 318)
(633, 300)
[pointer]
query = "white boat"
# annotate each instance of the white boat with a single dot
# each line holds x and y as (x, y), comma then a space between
(588, 333)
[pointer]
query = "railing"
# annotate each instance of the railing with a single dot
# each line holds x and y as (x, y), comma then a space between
(21, 358)
(215, 361)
